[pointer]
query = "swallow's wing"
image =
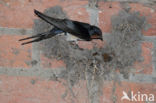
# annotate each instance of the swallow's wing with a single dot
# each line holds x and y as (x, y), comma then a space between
(63, 24)
(76, 28)
(80, 30)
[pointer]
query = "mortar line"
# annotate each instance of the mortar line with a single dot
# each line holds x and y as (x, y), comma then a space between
(48, 72)
(36, 55)
(149, 38)
(15, 31)
(23, 31)
(32, 72)
(92, 86)
(137, 1)
(93, 15)
(19, 31)
(138, 78)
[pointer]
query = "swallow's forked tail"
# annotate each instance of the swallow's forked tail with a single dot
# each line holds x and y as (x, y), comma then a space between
(38, 37)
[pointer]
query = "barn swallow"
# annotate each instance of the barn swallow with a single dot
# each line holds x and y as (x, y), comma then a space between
(81, 30)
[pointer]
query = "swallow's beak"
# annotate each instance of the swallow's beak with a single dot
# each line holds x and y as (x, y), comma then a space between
(97, 37)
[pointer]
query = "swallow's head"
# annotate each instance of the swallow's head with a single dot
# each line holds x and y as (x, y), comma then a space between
(96, 33)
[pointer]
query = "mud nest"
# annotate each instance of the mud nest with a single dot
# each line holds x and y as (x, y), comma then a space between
(121, 51)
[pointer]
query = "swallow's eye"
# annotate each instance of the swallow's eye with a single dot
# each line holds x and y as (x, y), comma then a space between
(96, 30)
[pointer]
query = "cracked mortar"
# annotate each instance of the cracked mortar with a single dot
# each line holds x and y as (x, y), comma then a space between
(121, 51)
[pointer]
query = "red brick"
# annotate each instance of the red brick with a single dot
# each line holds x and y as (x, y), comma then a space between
(12, 53)
(145, 67)
(22, 90)
(106, 13)
(85, 45)
(90, 45)
(76, 10)
(150, 15)
(51, 63)
(106, 96)
(19, 14)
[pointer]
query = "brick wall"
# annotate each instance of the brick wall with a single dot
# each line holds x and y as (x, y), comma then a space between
(27, 77)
